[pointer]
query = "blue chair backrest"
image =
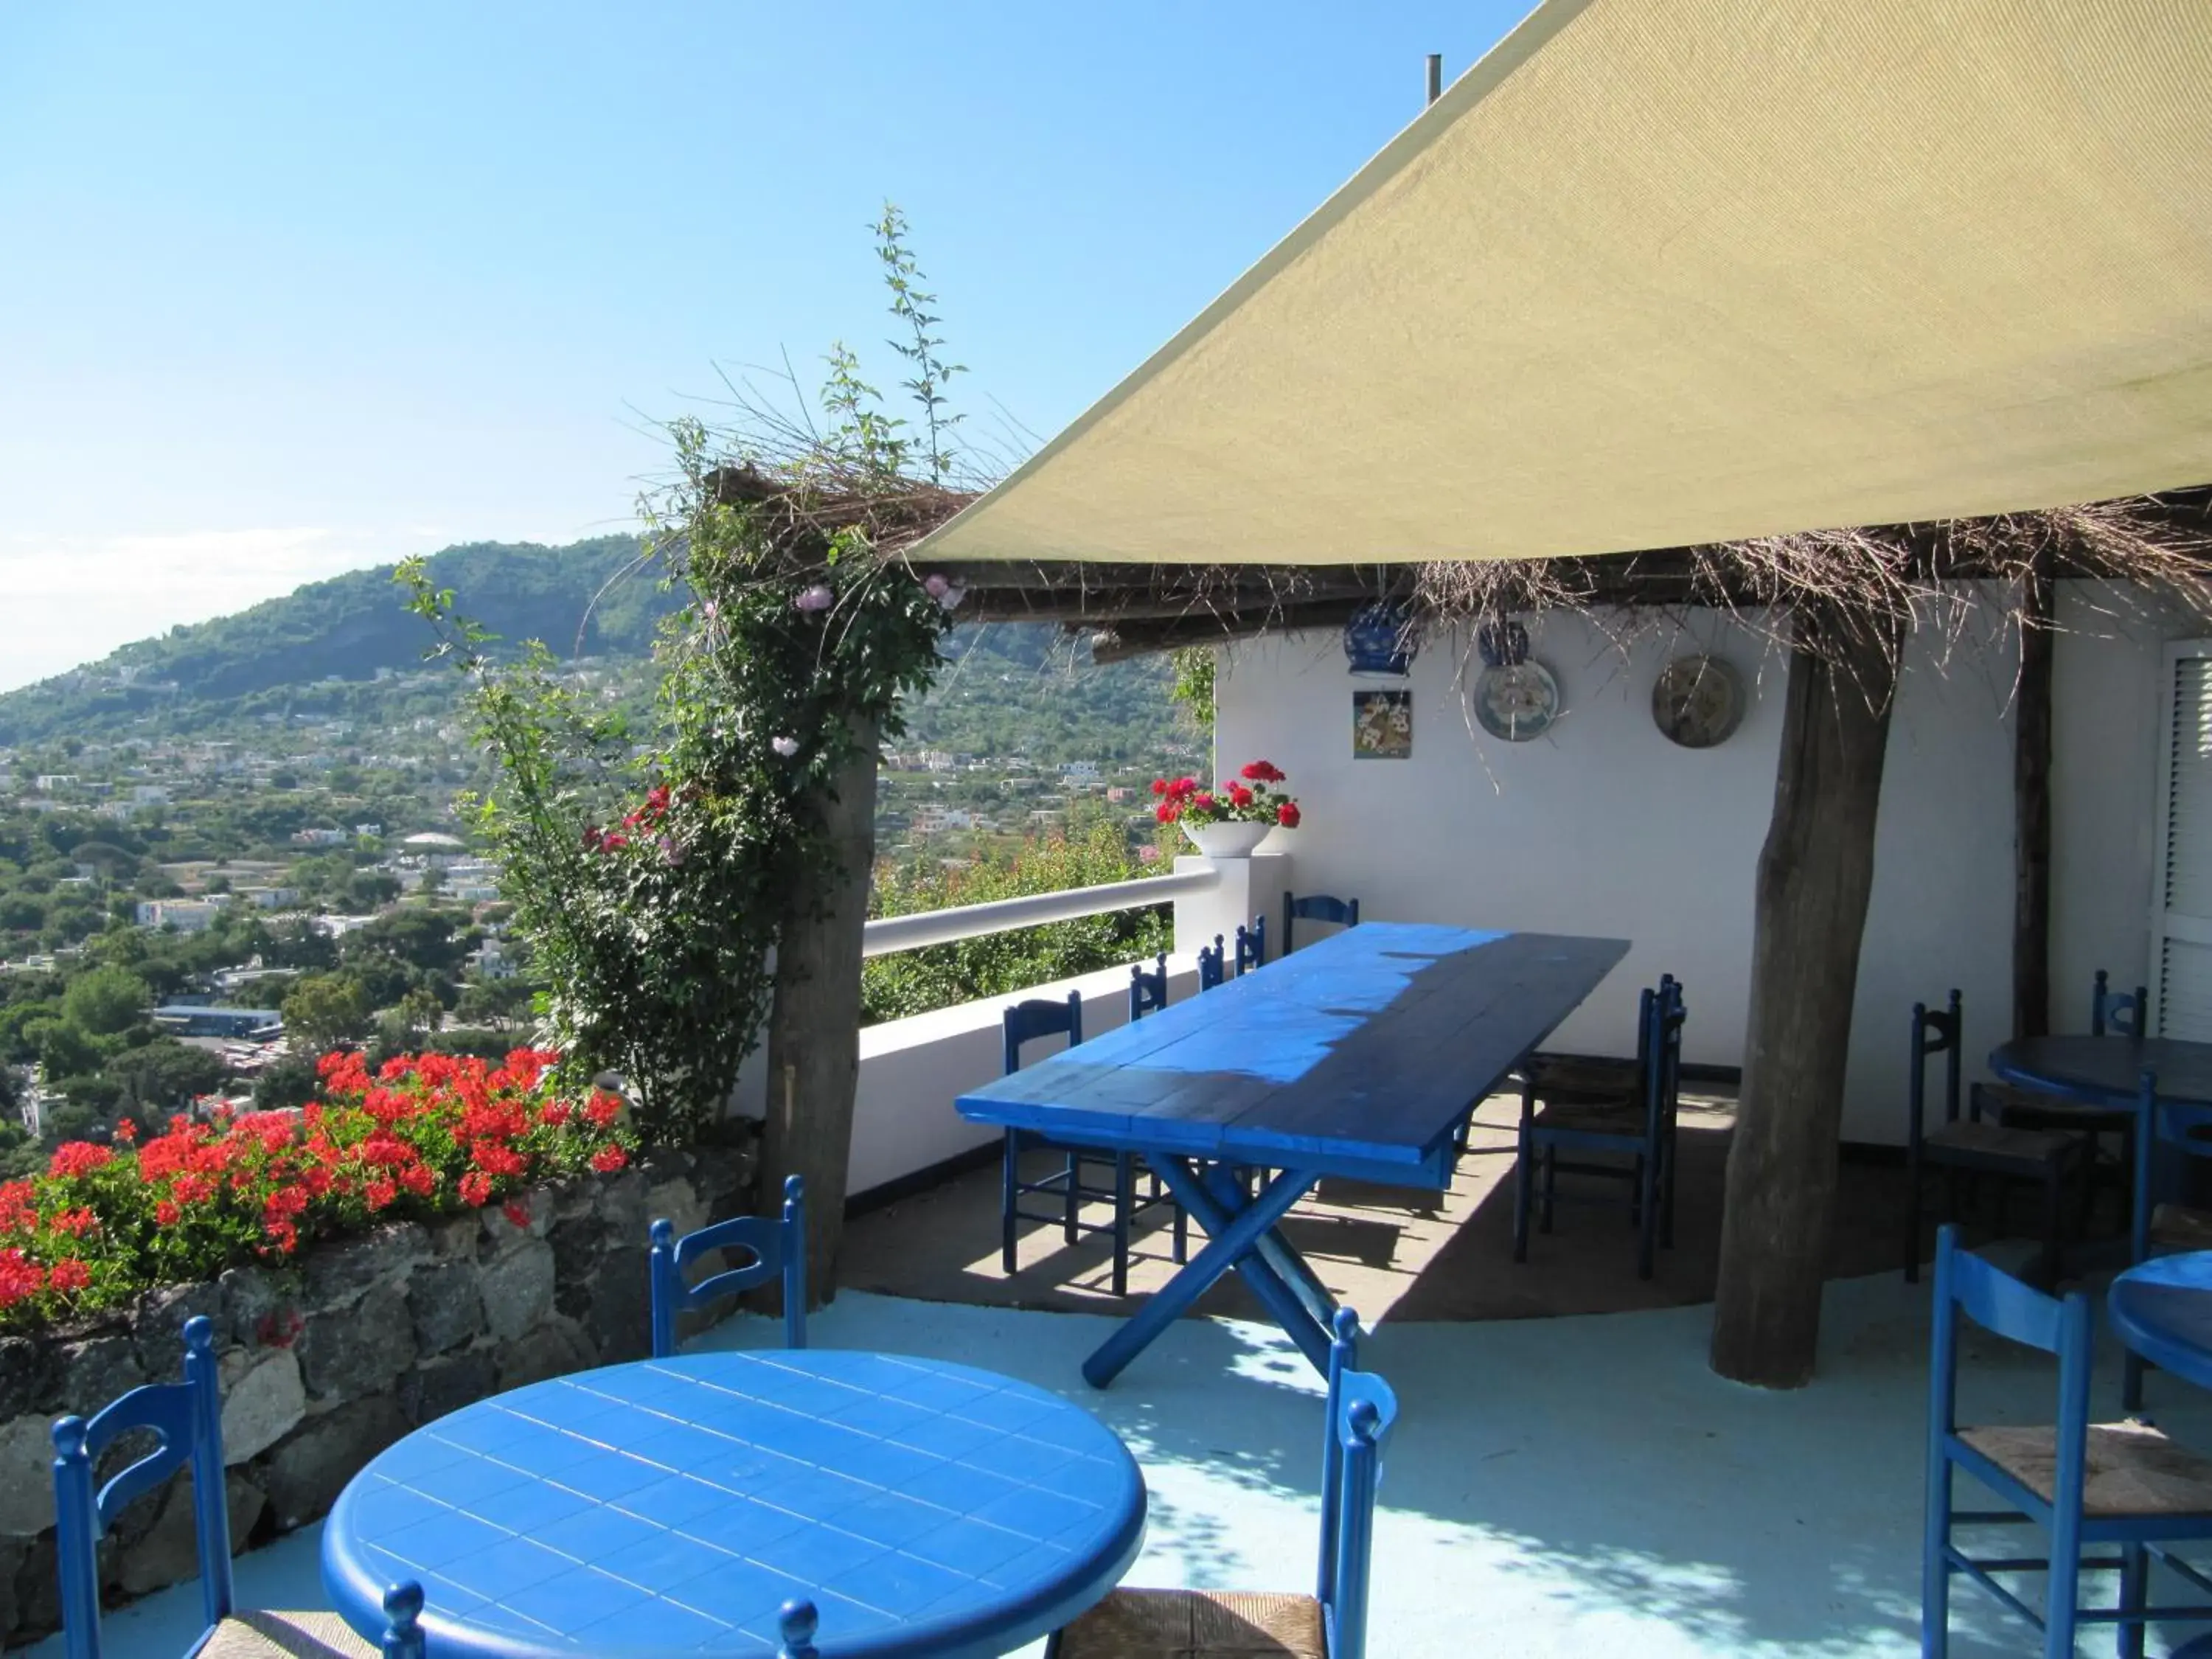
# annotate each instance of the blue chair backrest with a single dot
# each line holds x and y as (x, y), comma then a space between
(1252, 945)
(188, 1418)
(1210, 965)
(1934, 1033)
(1042, 1016)
(1148, 993)
(2116, 1013)
(1356, 1430)
(1317, 906)
(2002, 1305)
(777, 1246)
(1659, 1049)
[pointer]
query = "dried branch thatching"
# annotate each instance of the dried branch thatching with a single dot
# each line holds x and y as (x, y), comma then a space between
(1885, 579)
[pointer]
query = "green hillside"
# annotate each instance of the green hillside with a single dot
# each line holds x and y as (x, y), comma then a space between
(346, 628)
(347, 650)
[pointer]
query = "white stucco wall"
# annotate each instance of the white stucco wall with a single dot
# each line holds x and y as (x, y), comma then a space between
(1602, 826)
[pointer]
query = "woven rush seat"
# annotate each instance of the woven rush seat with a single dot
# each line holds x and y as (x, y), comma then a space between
(1561, 1077)
(2178, 1227)
(1994, 1140)
(1170, 1623)
(2133, 1468)
(1615, 1116)
(264, 1635)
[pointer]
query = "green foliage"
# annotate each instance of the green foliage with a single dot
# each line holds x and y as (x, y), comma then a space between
(107, 1001)
(941, 975)
(1192, 689)
(653, 878)
(326, 1012)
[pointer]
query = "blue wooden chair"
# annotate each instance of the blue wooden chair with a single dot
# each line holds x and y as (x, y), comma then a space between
(1148, 992)
(1332, 1622)
(1026, 1022)
(1976, 1145)
(2159, 1225)
(2116, 1013)
(1210, 965)
(1628, 1123)
(2121, 1485)
(777, 1247)
(1316, 907)
(1251, 945)
(187, 1419)
(2111, 1014)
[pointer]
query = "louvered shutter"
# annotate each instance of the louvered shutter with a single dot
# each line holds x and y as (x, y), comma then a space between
(2181, 919)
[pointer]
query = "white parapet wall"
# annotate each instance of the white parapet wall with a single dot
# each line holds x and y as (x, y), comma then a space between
(913, 1069)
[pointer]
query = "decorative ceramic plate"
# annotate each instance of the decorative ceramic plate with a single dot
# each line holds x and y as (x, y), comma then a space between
(1698, 702)
(1516, 701)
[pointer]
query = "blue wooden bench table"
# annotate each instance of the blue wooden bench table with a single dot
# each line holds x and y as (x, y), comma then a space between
(1354, 1057)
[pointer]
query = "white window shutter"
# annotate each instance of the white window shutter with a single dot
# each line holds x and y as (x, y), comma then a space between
(2181, 918)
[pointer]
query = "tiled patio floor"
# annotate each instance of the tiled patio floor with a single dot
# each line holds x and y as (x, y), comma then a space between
(1393, 1253)
(1576, 1486)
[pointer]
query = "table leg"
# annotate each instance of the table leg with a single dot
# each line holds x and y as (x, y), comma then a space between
(1270, 1268)
(1224, 1249)
(1275, 1251)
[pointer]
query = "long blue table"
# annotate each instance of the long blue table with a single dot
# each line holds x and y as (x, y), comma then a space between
(1358, 1056)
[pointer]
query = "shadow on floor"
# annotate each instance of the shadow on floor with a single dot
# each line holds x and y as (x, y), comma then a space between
(1396, 1253)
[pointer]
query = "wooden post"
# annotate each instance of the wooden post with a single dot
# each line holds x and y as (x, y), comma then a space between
(814, 1025)
(1815, 874)
(2031, 784)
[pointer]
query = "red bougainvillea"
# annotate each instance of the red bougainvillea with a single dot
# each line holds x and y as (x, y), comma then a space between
(421, 1136)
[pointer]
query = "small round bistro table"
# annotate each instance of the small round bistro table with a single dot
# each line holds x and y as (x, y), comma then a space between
(673, 1506)
(2107, 1071)
(2162, 1309)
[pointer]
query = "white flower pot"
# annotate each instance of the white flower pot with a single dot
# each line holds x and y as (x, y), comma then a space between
(1227, 841)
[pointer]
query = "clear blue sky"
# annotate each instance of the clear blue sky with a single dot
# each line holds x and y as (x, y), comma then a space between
(289, 288)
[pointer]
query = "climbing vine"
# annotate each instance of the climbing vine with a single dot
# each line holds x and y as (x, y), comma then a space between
(650, 870)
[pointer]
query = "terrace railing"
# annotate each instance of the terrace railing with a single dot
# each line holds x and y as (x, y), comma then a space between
(910, 933)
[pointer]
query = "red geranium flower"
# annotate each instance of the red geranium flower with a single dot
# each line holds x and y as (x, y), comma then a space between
(76, 1223)
(518, 1215)
(19, 1278)
(475, 1188)
(166, 1213)
(77, 1158)
(603, 1108)
(607, 1159)
(126, 1131)
(1287, 815)
(70, 1275)
(1260, 771)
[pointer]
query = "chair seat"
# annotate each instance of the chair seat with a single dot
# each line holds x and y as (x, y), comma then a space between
(264, 1634)
(2032, 1109)
(2134, 1469)
(2178, 1227)
(1167, 1624)
(1993, 1143)
(1616, 1117)
(1559, 1077)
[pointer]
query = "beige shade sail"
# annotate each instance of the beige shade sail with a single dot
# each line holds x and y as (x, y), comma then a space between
(1658, 272)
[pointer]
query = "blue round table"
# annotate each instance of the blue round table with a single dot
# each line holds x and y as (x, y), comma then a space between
(2107, 1071)
(2162, 1309)
(672, 1506)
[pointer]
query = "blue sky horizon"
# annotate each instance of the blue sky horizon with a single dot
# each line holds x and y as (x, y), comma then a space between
(292, 291)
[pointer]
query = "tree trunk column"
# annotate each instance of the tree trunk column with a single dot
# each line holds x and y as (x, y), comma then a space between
(814, 1026)
(1815, 874)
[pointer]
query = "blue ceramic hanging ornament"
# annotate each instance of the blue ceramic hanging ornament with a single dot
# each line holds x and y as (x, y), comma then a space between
(1379, 641)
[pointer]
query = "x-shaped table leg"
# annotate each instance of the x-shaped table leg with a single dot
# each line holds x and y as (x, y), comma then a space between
(1240, 1234)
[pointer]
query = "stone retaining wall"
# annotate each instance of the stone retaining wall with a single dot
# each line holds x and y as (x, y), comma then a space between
(326, 1363)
